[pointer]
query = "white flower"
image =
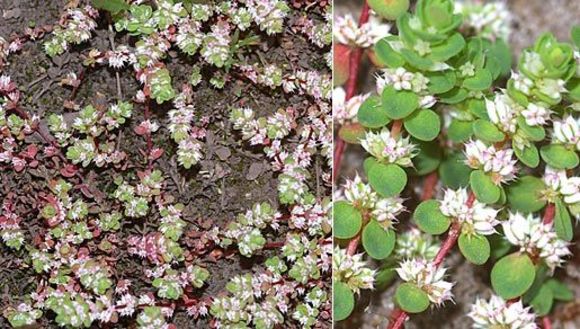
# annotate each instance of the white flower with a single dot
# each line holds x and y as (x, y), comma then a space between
(567, 131)
(347, 31)
(496, 313)
(499, 163)
(522, 83)
(346, 110)
(386, 148)
(552, 88)
(554, 178)
(359, 193)
(386, 211)
(478, 218)
(402, 79)
(414, 243)
(536, 114)
(428, 278)
(502, 112)
(352, 270)
(489, 20)
(535, 238)
(571, 190)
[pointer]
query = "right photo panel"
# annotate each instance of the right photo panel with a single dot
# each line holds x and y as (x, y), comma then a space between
(456, 164)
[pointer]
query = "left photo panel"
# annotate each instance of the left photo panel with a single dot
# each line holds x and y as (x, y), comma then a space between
(166, 164)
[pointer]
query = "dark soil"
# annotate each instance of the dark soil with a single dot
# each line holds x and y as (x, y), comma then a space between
(214, 191)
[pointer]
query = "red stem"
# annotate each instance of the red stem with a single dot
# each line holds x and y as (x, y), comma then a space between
(549, 213)
(352, 245)
(399, 315)
(546, 323)
(148, 137)
(429, 186)
(396, 128)
(354, 66)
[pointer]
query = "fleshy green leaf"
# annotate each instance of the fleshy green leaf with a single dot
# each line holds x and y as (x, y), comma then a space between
(387, 55)
(411, 299)
(559, 157)
(428, 158)
(351, 132)
(525, 194)
(343, 301)
(475, 248)
(460, 131)
(113, 6)
(513, 275)
(453, 171)
(377, 242)
(480, 81)
(542, 301)
(454, 96)
(560, 290)
(440, 82)
(483, 187)
(387, 180)
(563, 222)
(371, 114)
(447, 49)
(391, 9)
(347, 220)
(424, 125)
(533, 133)
(487, 131)
(430, 219)
(528, 156)
(399, 104)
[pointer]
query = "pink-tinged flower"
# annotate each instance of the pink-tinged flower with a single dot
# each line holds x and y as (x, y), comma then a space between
(536, 238)
(502, 112)
(499, 163)
(496, 313)
(478, 218)
(536, 114)
(567, 131)
(344, 110)
(388, 149)
(428, 278)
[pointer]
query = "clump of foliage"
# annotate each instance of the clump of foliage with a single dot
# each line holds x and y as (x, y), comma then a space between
(496, 150)
(87, 227)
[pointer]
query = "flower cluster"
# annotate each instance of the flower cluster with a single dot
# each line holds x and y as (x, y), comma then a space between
(415, 244)
(351, 270)
(389, 149)
(536, 238)
(75, 27)
(489, 20)
(347, 31)
(475, 219)
(498, 163)
(498, 313)
(426, 277)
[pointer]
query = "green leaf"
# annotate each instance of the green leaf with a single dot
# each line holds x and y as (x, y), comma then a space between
(453, 171)
(447, 49)
(424, 125)
(391, 9)
(342, 301)
(440, 82)
(542, 301)
(454, 96)
(368, 163)
(351, 133)
(500, 50)
(559, 157)
(525, 194)
(575, 35)
(529, 155)
(347, 220)
(418, 62)
(475, 248)
(428, 158)
(477, 108)
(430, 219)
(533, 133)
(483, 187)
(460, 131)
(411, 299)
(500, 246)
(371, 114)
(513, 275)
(387, 55)
(113, 6)
(563, 222)
(487, 131)
(377, 242)
(399, 104)
(387, 180)
(480, 81)
(560, 290)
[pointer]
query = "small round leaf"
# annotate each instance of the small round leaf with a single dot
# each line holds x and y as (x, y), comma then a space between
(377, 242)
(460, 131)
(480, 81)
(513, 275)
(475, 248)
(525, 194)
(424, 125)
(543, 301)
(411, 299)
(343, 301)
(399, 104)
(388, 180)
(430, 219)
(347, 220)
(351, 133)
(483, 187)
(453, 171)
(428, 158)
(563, 222)
(371, 114)
(559, 157)
(487, 131)
(529, 155)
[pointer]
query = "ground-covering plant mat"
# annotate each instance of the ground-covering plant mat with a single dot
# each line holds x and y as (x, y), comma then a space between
(165, 164)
